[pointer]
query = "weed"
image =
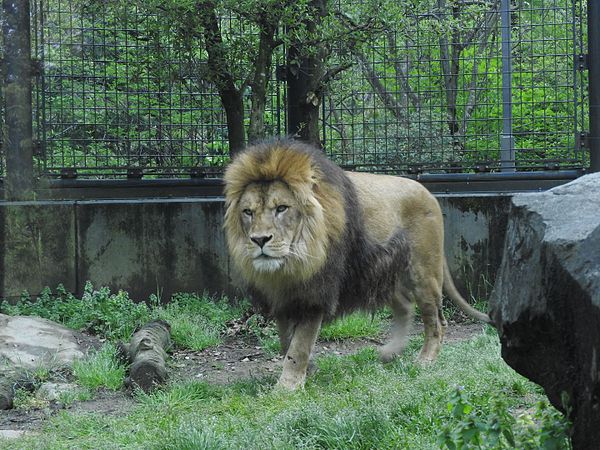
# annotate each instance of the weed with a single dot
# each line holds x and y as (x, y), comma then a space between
(469, 428)
(197, 322)
(26, 400)
(100, 369)
(79, 395)
(265, 332)
(113, 316)
(191, 437)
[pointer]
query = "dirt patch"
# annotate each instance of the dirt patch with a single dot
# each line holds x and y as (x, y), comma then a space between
(237, 358)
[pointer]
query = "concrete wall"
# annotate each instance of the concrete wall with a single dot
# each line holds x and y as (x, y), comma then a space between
(150, 246)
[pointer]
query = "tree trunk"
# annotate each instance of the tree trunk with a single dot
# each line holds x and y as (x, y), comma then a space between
(147, 353)
(260, 82)
(449, 57)
(231, 97)
(305, 80)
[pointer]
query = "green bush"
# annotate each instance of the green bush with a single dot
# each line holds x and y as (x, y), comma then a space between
(468, 428)
(99, 312)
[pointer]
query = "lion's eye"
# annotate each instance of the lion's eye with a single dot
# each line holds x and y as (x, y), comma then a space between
(281, 208)
(247, 212)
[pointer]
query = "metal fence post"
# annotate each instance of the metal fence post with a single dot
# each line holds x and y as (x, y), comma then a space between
(507, 141)
(593, 22)
(16, 76)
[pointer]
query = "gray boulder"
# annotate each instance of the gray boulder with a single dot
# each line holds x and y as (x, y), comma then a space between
(546, 301)
(30, 343)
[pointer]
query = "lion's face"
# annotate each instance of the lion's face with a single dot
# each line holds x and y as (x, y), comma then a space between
(282, 214)
(271, 218)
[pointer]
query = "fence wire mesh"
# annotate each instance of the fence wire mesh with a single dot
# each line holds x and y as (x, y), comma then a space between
(428, 94)
(125, 91)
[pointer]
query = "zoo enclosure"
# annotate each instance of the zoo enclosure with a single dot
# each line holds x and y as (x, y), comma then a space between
(448, 87)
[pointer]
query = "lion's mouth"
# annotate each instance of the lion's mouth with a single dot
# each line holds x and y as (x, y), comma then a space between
(267, 263)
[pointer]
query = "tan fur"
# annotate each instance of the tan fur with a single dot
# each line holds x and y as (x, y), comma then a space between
(314, 222)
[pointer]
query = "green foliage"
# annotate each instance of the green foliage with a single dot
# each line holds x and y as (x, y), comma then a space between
(99, 312)
(469, 428)
(196, 321)
(100, 369)
(129, 84)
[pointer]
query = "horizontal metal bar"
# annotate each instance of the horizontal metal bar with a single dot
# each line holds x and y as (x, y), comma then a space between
(505, 176)
(494, 182)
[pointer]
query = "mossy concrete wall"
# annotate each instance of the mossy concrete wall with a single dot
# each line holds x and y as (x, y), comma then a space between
(163, 246)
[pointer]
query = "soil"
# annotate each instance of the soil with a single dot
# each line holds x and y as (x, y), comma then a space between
(238, 357)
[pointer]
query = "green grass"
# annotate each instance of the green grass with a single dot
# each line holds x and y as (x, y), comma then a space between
(100, 369)
(355, 325)
(468, 399)
(351, 402)
(197, 322)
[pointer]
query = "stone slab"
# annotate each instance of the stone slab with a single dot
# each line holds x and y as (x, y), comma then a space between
(32, 342)
(153, 246)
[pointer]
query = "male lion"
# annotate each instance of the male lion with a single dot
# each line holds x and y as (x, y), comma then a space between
(314, 242)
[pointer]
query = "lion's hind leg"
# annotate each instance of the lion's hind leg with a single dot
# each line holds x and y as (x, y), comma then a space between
(403, 311)
(428, 297)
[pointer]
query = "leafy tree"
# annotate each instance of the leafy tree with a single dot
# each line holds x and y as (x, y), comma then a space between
(171, 85)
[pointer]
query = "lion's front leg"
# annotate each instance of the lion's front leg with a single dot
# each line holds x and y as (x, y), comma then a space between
(285, 329)
(295, 361)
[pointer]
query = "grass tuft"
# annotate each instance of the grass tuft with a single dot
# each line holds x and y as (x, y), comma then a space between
(357, 325)
(100, 369)
(197, 322)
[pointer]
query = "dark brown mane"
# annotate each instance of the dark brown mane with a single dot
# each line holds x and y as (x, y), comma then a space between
(357, 272)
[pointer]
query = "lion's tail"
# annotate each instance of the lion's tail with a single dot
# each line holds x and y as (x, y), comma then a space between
(458, 300)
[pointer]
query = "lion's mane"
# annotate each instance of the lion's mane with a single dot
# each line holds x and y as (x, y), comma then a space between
(345, 270)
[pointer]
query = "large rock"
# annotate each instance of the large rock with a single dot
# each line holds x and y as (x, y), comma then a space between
(546, 302)
(31, 342)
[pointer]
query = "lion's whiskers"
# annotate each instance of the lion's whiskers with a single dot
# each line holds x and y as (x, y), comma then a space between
(302, 254)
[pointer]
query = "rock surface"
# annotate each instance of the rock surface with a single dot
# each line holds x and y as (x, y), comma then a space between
(546, 302)
(31, 342)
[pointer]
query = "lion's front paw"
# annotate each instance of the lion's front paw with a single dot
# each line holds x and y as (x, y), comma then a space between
(290, 383)
(388, 352)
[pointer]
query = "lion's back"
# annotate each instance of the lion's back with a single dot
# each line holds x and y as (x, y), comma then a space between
(389, 202)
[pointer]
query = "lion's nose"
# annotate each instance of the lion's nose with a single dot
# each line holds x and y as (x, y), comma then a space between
(261, 240)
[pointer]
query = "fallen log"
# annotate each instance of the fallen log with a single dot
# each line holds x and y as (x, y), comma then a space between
(146, 353)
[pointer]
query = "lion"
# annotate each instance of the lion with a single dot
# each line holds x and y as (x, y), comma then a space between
(313, 242)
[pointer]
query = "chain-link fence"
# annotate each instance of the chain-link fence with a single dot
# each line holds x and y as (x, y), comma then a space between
(122, 92)
(124, 88)
(430, 93)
